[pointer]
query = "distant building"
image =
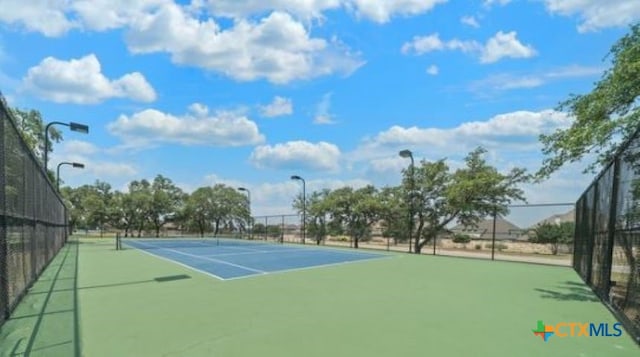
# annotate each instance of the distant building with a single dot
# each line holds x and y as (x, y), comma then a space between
(505, 230)
(558, 218)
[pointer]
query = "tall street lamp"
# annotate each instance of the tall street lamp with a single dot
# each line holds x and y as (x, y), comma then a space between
(412, 182)
(76, 165)
(249, 207)
(304, 206)
(81, 128)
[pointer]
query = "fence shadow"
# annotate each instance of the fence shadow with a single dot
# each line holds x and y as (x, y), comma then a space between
(55, 306)
(569, 291)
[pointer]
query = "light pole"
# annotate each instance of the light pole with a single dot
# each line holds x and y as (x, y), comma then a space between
(408, 154)
(249, 207)
(304, 206)
(81, 128)
(77, 165)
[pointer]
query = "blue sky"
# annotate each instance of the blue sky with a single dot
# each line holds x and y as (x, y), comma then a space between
(249, 92)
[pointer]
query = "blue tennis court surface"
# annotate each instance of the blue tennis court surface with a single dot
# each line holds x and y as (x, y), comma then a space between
(225, 260)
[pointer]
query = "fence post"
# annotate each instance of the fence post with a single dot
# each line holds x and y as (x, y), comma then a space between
(493, 234)
(611, 234)
(282, 231)
(592, 233)
(4, 279)
(435, 240)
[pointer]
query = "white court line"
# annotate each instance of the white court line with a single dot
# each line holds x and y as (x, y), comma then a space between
(209, 259)
(176, 262)
(254, 252)
(313, 267)
(212, 245)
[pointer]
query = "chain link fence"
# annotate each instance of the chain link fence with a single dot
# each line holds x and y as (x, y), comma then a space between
(607, 243)
(535, 233)
(34, 217)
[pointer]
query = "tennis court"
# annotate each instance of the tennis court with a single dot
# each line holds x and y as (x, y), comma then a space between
(227, 258)
(95, 301)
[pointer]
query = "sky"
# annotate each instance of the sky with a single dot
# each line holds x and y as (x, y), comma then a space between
(249, 92)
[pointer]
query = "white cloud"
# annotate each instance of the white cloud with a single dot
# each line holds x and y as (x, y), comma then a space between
(323, 115)
(279, 107)
(470, 21)
(45, 16)
(393, 164)
(306, 9)
(275, 198)
(505, 45)
(423, 44)
(508, 81)
(102, 15)
(199, 110)
(93, 157)
(433, 70)
(81, 81)
(277, 48)
(112, 169)
(80, 147)
(498, 2)
(151, 126)
(321, 156)
(513, 134)
(597, 14)
(499, 46)
(381, 11)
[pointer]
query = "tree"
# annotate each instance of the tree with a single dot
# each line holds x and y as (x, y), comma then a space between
(74, 202)
(604, 118)
(554, 234)
(166, 201)
(31, 126)
(354, 210)
(317, 212)
(229, 209)
(199, 209)
(466, 195)
(394, 214)
(138, 205)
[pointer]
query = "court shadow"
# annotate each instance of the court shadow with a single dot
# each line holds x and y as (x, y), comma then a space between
(161, 279)
(569, 291)
(53, 308)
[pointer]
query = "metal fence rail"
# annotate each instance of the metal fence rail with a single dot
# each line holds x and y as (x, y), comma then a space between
(509, 237)
(607, 241)
(34, 217)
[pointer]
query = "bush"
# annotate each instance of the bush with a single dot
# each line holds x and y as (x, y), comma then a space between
(461, 238)
(478, 246)
(500, 246)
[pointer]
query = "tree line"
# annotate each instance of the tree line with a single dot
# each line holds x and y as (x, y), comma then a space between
(430, 197)
(151, 205)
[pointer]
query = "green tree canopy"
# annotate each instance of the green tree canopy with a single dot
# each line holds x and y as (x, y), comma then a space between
(603, 118)
(554, 234)
(166, 201)
(466, 195)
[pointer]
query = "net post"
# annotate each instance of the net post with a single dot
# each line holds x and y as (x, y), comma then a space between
(282, 231)
(493, 234)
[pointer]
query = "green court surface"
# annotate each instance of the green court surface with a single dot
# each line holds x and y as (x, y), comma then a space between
(95, 301)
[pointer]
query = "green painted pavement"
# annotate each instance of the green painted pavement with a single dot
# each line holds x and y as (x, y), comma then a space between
(133, 304)
(44, 323)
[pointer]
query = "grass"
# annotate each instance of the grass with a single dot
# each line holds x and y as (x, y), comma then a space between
(132, 304)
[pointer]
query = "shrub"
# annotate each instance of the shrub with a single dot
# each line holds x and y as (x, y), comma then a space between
(478, 246)
(461, 238)
(499, 246)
